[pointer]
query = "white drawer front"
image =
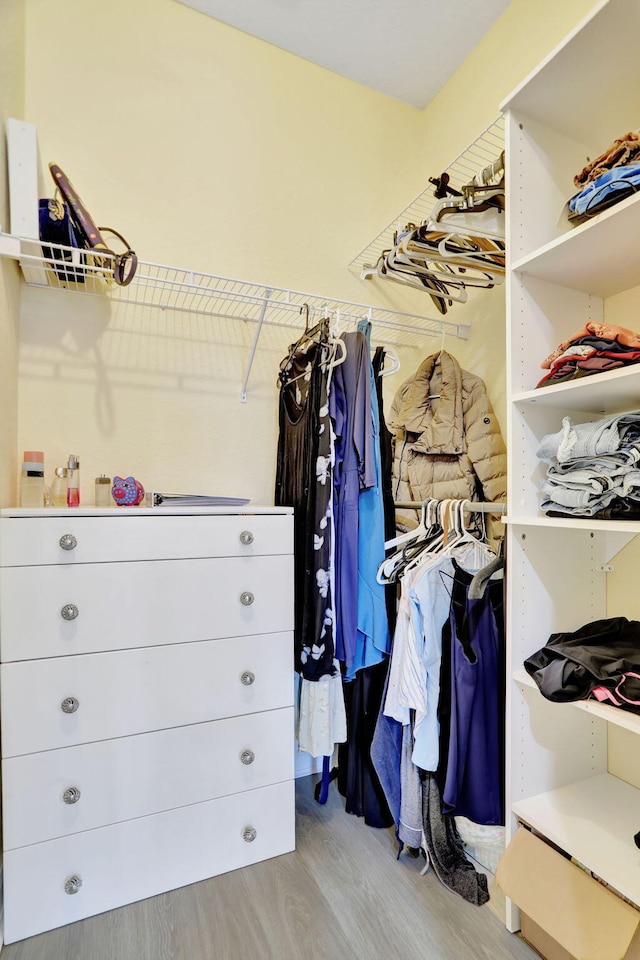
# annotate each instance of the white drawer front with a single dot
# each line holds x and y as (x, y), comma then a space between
(136, 691)
(120, 605)
(36, 540)
(136, 776)
(140, 858)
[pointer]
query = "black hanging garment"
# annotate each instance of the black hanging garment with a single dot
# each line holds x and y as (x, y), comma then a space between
(357, 778)
(303, 481)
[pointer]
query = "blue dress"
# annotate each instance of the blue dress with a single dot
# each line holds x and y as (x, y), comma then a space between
(373, 641)
(354, 470)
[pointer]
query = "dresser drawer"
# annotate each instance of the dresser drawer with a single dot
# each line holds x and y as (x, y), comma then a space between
(136, 691)
(60, 792)
(121, 605)
(140, 858)
(25, 541)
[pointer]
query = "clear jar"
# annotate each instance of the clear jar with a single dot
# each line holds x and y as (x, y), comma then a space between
(58, 496)
(103, 491)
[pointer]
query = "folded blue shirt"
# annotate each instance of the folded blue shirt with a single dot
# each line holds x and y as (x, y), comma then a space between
(619, 179)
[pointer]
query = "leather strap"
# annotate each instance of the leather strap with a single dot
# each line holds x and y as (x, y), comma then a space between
(124, 264)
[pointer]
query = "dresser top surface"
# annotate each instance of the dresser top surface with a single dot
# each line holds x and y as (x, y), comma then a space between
(248, 510)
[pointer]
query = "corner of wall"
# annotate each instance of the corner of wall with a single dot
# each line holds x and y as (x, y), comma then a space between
(12, 92)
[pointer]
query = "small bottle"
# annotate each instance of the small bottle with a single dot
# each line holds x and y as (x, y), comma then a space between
(103, 491)
(32, 480)
(73, 481)
(59, 487)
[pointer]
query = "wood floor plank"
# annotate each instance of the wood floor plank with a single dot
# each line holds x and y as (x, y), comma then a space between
(340, 896)
(387, 902)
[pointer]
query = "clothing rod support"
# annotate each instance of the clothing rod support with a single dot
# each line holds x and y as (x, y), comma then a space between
(254, 345)
(471, 506)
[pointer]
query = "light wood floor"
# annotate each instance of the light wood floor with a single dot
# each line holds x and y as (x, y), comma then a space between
(341, 896)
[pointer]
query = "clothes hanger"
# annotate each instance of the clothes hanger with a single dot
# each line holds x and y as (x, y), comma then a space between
(330, 363)
(436, 290)
(387, 371)
(443, 189)
(307, 334)
(422, 528)
(443, 287)
(481, 579)
(435, 547)
(455, 251)
(410, 542)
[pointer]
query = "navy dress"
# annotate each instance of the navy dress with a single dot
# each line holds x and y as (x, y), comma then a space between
(471, 709)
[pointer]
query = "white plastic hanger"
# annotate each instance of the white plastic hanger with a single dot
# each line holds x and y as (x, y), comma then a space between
(394, 366)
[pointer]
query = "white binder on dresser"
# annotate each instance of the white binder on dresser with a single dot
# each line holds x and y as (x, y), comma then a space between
(147, 703)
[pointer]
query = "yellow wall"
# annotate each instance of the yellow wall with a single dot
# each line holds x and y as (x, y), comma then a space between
(11, 104)
(464, 107)
(212, 150)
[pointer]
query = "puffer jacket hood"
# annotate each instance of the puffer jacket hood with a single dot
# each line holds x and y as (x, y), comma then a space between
(452, 448)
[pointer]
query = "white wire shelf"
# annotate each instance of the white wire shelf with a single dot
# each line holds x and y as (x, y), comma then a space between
(479, 154)
(171, 288)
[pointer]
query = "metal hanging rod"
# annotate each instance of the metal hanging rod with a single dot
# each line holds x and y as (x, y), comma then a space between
(470, 506)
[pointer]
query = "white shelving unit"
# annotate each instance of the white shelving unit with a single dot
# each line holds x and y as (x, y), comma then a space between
(561, 777)
(575, 818)
(619, 718)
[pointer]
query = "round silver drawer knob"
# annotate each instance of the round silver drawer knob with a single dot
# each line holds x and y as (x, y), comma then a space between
(246, 537)
(249, 834)
(71, 795)
(246, 598)
(69, 611)
(69, 705)
(68, 541)
(247, 678)
(247, 757)
(72, 884)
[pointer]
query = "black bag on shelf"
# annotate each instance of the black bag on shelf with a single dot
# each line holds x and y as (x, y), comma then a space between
(56, 226)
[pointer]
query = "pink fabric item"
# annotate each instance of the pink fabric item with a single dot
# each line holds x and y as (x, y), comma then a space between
(603, 694)
(593, 329)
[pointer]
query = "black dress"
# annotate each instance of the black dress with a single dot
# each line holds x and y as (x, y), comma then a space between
(304, 482)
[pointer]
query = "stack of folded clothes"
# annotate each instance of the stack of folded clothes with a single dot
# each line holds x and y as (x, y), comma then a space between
(611, 177)
(592, 349)
(594, 469)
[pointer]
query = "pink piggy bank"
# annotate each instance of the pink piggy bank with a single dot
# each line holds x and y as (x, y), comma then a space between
(128, 492)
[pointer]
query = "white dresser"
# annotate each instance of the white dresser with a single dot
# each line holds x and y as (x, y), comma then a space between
(147, 703)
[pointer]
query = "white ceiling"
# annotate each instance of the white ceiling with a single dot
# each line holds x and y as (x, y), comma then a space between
(407, 49)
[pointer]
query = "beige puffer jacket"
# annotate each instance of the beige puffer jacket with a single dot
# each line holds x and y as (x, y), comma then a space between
(447, 448)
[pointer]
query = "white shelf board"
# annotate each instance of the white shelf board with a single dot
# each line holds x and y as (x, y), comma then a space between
(619, 718)
(611, 392)
(595, 821)
(600, 256)
(588, 87)
(569, 523)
